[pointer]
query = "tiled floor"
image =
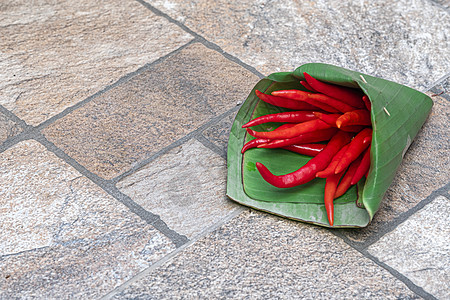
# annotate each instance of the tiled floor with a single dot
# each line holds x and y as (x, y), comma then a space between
(114, 120)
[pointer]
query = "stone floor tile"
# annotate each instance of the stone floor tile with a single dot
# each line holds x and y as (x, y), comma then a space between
(218, 133)
(185, 187)
(424, 169)
(8, 128)
(403, 41)
(61, 236)
(258, 256)
(151, 110)
(444, 3)
(444, 86)
(57, 53)
(419, 248)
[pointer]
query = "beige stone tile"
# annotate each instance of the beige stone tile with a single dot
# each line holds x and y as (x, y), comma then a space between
(419, 248)
(403, 41)
(424, 169)
(8, 128)
(258, 256)
(185, 187)
(61, 236)
(151, 110)
(57, 53)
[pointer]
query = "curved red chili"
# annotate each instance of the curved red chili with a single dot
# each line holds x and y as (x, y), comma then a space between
(329, 170)
(330, 189)
(350, 96)
(345, 183)
(367, 102)
(307, 86)
(304, 97)
(253, 144)
(284, 102)
(309, 170)
(310, 137)
(363, 167)
(289, 116)
(306, 149)
(291, 132)
(327, 118)
(356, 117)
(357, 146)
(352, 128)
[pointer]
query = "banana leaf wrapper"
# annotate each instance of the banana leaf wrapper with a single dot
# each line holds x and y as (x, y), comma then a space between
(398, 112)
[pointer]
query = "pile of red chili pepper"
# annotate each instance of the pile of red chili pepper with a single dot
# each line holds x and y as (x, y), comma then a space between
(337, 115)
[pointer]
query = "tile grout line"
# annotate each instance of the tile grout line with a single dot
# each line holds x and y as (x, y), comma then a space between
(201, 39)
(437, 82)
(237, 211)
(109, 188)
(193, 134)
(197, 39)
(118, 82)
(399, 276)
(211, 146)
(13, 117)
(392, 225)
(439, 5)
(149, 217)
(412, 286)
(440, 93)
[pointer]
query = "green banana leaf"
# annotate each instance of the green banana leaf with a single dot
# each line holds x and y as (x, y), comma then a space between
(398, 112)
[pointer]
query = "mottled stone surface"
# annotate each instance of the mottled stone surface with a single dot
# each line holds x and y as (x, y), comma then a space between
(185, 187)
(8, 128)
(419, 248)
(444, 86)
(61, 236)
(152, 110)
(258, 256)
(444, 3)
(57, 53)
(403, 41)
(218, 133)
(424, 169)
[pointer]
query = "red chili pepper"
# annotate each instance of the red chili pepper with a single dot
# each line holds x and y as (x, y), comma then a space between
(352, 128)
(304, 97)
(357, 146)
(285, 126)
(310, 137)
(367, 102)
(253, 143)
(290, 116)
(329, 119)
(284, 102)
(330, 189)
(306, 149)
(345, 183)
(329, 170)
(291, 132)
(307, 86)
(356, 117)
(320, 100)
(363, 167)
(348, 95)
(309, 170)
(339, 105)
